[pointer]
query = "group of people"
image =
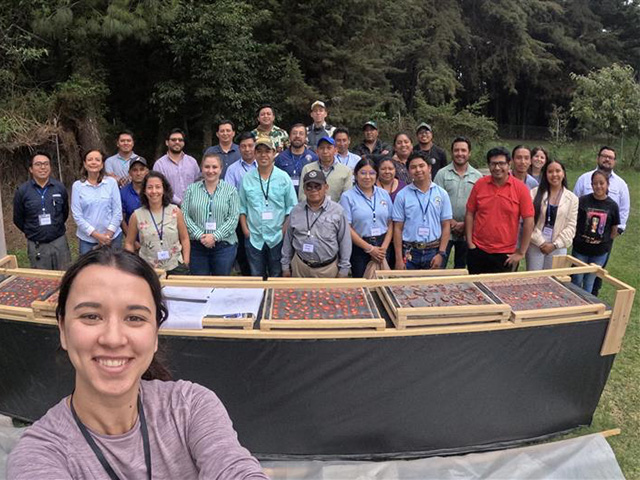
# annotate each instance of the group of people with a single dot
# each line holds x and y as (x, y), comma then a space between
(302, 203)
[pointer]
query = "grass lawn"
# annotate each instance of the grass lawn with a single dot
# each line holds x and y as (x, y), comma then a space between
(620, 403)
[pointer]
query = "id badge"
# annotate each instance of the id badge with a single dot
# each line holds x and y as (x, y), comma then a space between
(424, 231)
(210, 226)
(547, 234)
(376, 231)
(308, 247)
(296, 182)
(267, 215)
(163, 255)
(44, 219)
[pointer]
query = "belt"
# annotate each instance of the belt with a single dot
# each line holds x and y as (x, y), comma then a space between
(422, 245)
(318, 264)
(373, 240)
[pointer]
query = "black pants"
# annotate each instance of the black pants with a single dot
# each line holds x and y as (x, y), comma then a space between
(241, 254)
(479, 261)
(359, 258)
(460, 253)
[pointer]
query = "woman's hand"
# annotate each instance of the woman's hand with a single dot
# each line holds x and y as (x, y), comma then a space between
(547, 248)
(208, 240)
(103, 238)
(378, 254)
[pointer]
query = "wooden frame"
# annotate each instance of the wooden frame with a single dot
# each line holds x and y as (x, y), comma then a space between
(9, 261)
(268, 322)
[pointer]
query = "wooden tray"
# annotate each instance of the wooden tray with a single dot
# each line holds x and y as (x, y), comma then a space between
(320, 308)
(18, 293)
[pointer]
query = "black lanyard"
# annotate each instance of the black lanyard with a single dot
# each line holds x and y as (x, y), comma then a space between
(422, 209)
(161, 229)
(372, 207)
(103, 461)
(266, 194)
(309, 227)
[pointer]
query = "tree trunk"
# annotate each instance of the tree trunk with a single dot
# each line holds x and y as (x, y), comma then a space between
(89, 136)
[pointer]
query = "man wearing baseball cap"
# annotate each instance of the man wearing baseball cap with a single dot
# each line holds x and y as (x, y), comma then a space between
(130, 193)
(317, 243)
(372, 147)
(266, 199)
(319, 128)
(424, 132)
(339, 176)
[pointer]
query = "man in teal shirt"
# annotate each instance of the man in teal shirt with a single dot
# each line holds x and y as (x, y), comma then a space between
(267, 197)
(458, 179)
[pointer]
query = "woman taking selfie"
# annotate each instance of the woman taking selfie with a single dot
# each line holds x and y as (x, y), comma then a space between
(159, 226)
(121, 421)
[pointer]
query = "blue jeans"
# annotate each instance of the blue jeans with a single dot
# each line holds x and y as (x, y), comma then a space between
(421, 259)
(585, 280)
(266, 262)
(86, 247)
(212, 261)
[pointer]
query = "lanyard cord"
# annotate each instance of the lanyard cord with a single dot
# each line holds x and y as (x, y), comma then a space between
(265, 194)
(96, 449)
(211, 197)
(368, 201)
(422, 209)
(42, 192)
(309, 227)
(161, 229)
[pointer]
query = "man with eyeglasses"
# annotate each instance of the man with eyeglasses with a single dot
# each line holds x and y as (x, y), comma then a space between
(317, 243)
(40, 210)
(496, 204)
(180, 169)
(618, 192)
(425, 144)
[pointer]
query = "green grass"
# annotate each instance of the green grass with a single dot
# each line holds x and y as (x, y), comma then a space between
(619, 406)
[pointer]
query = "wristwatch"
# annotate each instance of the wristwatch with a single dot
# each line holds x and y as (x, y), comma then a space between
(620, 231)
(442, 253)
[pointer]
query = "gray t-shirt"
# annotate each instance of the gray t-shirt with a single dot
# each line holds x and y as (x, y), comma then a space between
(190, 436)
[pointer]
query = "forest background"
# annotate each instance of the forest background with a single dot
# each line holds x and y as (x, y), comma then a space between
(74, 73)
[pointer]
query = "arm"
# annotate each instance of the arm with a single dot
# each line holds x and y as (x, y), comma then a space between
(116, 208)
(565, 237)
(468, 228)
(445, 223)
(65, 204)
(193, 228)
(18, 210)
(624, 207)
(287, 250)
(230, 223)
(183, 234)
(344, 241)
(76, 211)
(397, 243)
(527, 229)
(244, 226)
(132, 234)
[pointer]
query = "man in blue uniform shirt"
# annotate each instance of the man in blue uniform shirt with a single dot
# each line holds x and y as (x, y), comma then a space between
(421, 214)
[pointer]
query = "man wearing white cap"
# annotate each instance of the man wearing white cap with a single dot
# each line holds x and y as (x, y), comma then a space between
(319, 128)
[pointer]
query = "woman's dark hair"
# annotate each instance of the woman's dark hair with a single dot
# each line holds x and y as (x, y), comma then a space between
(601, 173)
(83, 171)
(167, 191)
(544, 188)
(385, 159)
(129, 263)
(363, 163)
(534, 151)
(395, 139)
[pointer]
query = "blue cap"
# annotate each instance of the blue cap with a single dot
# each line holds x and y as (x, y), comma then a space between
(326, 139)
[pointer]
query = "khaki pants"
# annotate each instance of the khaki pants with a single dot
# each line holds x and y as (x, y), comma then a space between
(301, 269)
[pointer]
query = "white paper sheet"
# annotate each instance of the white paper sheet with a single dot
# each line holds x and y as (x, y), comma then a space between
(185, 314)
(200, 294)
(234, 301)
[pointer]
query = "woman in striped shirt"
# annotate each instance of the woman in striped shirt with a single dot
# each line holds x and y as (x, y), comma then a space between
(211, 210)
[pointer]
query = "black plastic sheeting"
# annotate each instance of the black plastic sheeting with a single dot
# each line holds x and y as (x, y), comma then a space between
(373, 398)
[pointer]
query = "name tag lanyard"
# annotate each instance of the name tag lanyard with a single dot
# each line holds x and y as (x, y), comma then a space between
(309, 227)
(372, 206)
(42, 192)
(424, 210)
(161, 229)
(265, 193)
(96, 449)
(211, 197)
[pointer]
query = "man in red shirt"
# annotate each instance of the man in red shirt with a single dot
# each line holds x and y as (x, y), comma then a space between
(496, 204)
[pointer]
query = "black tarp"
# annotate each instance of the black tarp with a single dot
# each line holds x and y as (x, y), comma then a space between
(359, 398)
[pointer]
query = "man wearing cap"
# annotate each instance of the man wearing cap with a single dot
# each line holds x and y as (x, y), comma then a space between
(317, 243)
(343, 155)
(130, 193)
(421, 219)
(228, 151)
(267, 197)
(40, 210)
(297, 155)
(117, 166)
(458, 178)
(339, 177)
(425, 145)
(267, 129)
(372, 147)
(495, 206)
(319, 128)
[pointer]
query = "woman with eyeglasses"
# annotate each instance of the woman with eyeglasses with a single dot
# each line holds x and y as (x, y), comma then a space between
(125, 418)
(368, 208)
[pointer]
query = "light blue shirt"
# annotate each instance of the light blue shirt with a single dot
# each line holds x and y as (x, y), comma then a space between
(422, 213)
(96, 207)
(237, 170)
(360, 211)
(618, 192)
(350, 159)
(118, 166)
(265, 216)
(531, 182)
